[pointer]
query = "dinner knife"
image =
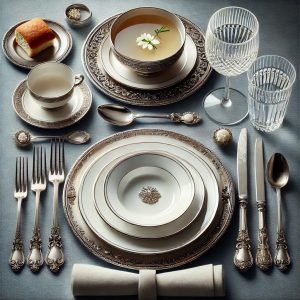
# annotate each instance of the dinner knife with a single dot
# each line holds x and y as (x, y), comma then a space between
(263, 255)
(243, 259)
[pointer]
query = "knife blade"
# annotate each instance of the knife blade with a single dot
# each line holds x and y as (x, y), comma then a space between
(242, 165)
(259, 172)
(243, 259)
(263, 257)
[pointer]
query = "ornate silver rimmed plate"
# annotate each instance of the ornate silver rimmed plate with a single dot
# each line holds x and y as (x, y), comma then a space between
(32, 113)
(91, 59)
(135, 253)
(61, 48)
(126, 76)
(120, 224)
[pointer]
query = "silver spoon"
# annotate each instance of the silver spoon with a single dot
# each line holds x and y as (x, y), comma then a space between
(278, 176)
(122, 116)
(24, 138)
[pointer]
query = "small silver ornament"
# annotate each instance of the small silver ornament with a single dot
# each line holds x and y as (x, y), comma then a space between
(222, 136)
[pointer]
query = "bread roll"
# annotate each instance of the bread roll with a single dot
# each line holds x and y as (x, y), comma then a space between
(34, 36)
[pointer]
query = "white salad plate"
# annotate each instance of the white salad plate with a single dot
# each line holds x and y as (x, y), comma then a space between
(34, 114)
(151, 246)
(139, 231)
(162, 253)
(62, 45)
(149, 189)
(128, 77)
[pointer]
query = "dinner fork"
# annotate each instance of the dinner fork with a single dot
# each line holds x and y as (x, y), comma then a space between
(55, 256)
(17, 260)
(39, 182)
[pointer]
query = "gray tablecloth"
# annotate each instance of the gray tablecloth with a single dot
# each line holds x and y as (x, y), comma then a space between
(279, 34)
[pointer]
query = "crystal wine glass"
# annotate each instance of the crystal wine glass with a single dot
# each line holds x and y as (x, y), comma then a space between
(231, 46)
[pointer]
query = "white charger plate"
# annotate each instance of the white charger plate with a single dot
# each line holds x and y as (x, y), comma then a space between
(148, 189)
(147, 246)
(159, 261)
(145, 232)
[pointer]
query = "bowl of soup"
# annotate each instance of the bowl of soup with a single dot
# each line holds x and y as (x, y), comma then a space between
(147, 39)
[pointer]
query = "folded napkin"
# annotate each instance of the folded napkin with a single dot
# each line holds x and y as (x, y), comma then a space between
(88, 280)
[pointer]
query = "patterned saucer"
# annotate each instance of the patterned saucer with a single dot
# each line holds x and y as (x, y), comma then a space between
(32, 113)
(96, 73)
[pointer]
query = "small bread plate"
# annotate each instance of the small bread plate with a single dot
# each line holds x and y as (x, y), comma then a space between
(32, 113)
(58, 52)
(160, 231)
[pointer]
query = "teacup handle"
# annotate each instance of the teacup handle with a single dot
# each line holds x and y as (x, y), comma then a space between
(78, 79)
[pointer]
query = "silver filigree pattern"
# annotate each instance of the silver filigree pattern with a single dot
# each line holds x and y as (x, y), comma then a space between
(263, 256)
(35, 261)
(17, 259)
(149, 195)
(71, 194)
(169, 95)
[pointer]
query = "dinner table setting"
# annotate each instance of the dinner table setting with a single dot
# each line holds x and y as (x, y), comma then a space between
(149, 150)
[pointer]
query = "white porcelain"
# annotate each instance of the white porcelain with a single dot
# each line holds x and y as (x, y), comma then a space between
(128, 77)
(147, 231)
(32, 113)
(51, 84)
(149, 189)
(203, 223)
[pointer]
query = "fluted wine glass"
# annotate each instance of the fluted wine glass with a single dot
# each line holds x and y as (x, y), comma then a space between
(231, 46)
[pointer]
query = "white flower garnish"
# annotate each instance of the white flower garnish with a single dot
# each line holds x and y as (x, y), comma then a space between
(146, 40)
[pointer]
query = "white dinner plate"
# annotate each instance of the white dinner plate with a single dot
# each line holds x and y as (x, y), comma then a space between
(146, 232)
(148, 189)
(147, 246)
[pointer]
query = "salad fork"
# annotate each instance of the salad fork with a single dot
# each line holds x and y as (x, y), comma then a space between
(55, 256)
(17, 260)
(39, 182)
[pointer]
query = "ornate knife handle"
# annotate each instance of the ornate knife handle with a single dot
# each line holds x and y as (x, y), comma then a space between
(263, 256)
(243, 259)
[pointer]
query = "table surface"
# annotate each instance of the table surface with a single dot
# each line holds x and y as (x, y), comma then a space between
(279, 34)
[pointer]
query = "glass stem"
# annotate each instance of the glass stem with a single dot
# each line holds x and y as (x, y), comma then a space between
(226, 100)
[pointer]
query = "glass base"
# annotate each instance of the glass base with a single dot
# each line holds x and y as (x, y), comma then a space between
(228, 112)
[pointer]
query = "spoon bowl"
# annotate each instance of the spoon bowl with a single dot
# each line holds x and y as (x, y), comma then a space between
(278, 171)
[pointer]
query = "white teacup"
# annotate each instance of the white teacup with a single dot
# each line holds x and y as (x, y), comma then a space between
(51, 84)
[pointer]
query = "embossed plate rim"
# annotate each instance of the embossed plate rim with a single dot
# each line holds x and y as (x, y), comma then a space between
(17, 102)
(141, 97)
(30, 64)
(182, 256)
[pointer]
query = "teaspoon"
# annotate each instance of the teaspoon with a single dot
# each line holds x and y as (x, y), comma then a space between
(122, 116)
(278, 176)
(24, 138)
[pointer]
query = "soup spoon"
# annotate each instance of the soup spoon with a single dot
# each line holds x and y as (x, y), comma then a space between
(278, 176)
(122, 116)
(24, 138)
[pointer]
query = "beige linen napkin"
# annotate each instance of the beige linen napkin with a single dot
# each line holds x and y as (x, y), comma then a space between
(88, 280)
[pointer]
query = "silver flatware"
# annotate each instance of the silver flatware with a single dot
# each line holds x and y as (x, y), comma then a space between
(278, 176)
(243, 259)
(24, 138)
(38, 184)
(263, 255)
(17, 260)
(122, 116)
(55, 256)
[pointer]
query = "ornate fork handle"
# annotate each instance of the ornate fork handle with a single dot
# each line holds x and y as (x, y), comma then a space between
(263, 256)
(55, 256)
(243, 259)
(17, 259)
(35, 258)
